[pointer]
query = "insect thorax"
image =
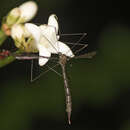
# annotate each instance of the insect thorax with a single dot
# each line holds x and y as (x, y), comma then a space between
(62, 59)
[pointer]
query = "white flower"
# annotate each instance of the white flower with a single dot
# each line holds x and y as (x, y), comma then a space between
(50, 32)
(23, 39)
(53, 45)
(28, 11)
(47, 41)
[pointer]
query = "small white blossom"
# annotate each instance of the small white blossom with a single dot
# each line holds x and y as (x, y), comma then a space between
(28, 11)
(23, 39)
(52, 44)
(50, 32)
(47, 42)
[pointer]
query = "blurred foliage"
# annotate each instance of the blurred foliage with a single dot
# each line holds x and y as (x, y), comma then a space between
(100, 87)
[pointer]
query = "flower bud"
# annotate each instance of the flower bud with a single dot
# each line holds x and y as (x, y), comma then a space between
(21, 14)
(13, 16)
(28, 11)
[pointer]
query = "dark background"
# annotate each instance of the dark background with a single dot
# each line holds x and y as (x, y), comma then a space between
(100, 87)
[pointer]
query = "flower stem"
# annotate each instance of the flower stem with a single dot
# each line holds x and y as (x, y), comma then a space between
(2, 36)
(7, 60)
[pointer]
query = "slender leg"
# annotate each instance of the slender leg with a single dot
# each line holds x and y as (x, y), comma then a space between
(81, 49)
(84, 34)
(54, 70)
(31, 70)
(72, 43)
(43, 73)
(73, 34)
(77, 43)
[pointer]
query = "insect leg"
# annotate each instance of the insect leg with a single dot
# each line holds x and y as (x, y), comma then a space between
(84, 34)
(81, 49)
(33, 79)
(31, 70)
(72, 34)
(54, 70)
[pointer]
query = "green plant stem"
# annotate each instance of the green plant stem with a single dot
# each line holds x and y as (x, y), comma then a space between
(7, 60)
(2, 37)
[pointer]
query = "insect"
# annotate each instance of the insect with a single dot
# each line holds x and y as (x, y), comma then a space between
(63, 52)
(62, 61)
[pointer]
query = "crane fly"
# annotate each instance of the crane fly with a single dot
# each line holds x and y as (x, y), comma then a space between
(62, 61)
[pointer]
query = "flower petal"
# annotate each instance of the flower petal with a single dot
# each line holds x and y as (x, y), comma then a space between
(64, 49)
(34, 30)
(43, 52)
(52, 21)
(17, 31)
(49, 34)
